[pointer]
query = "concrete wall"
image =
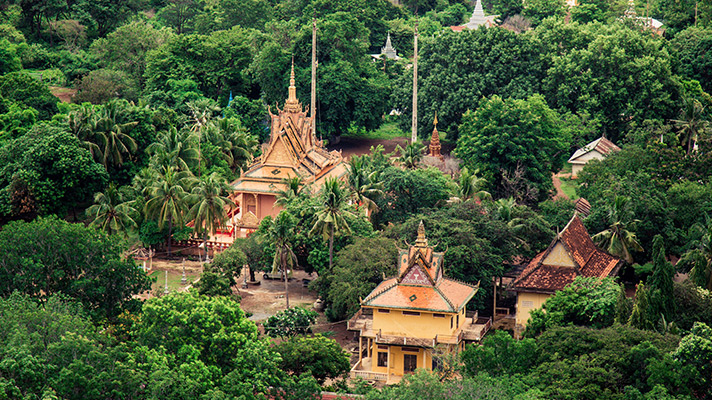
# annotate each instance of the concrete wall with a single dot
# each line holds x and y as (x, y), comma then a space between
(526, 302)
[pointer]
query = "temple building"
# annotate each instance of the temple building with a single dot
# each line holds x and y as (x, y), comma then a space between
(572, 253)
(596, 150)
(407, 316)
(292, 150)
(387, 51)
(477, 19)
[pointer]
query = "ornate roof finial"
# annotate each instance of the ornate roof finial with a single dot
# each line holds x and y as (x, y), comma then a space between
(292, 104)
(421, 241)
(435, 121)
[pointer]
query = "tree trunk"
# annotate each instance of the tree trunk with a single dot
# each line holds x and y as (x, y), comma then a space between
(170, 234)
(252, 273)
(284, 271)
(331, 249)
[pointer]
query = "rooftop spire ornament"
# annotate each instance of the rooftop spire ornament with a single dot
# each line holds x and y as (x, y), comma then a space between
(435, 140)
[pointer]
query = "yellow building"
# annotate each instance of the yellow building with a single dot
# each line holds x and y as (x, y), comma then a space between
(405, 317)
(292, 150)
(572, 253)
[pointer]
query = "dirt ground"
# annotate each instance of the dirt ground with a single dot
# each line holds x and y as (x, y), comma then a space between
(267, 298)
(357, 146)
(557, 184)
(63, 94)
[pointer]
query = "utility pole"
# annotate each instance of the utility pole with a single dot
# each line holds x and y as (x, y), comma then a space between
(313, 79)
(414, 126)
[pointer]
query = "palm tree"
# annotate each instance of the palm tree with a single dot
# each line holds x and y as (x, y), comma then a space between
(411, 155)
(330, 216)
(294, 187)
(111, 212)
(167, 199)
(619, 239)
(364, 184)
(469, 184)
(110, 133)
(174, 148)
(210, 207)
(80, 123)
(236, 143)
(699, 257)
(201, 111)
(281, 233)
(504, 208)
(692, 123)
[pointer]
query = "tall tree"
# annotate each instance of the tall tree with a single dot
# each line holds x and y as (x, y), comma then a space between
(699, 256)
(111, 212)
(281, 233)
(174, 148)
(660, 283)
(364, 183)
(110, 129)
(49, 256)
(167, 201)
(330, 216)
(514, 139)
(692, 124)
(210, 208)
(619, 239)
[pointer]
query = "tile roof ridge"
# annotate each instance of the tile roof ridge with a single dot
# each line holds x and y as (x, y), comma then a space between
(477, 286)
(380, 292)
(444, 297)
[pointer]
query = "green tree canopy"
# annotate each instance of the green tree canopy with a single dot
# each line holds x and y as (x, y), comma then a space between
(514, 140)
(49, 256)
(321, 357)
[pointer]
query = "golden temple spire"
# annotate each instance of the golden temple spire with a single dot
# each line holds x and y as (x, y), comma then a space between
(421, 241)
(435, 140)
(292, 103)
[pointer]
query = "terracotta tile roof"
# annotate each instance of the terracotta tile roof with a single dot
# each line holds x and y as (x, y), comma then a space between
(589, 261)
(447, 296)
(583, 206)
(601, 145)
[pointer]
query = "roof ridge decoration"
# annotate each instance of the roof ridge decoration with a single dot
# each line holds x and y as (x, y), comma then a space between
(292, 104)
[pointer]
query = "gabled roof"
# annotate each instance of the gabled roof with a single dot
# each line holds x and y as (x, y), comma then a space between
(293, 150)
(601, 145)
(420, 284)
(588, 261)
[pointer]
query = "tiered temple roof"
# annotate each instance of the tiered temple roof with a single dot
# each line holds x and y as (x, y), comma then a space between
(292, 150)
(477, 19)
(551, 270)
(420, 284)
(434, 148)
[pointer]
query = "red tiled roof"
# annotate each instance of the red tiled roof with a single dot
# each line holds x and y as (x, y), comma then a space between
(589, 261)
(601, 145)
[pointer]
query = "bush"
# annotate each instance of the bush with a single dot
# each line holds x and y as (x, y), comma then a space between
(290, 322)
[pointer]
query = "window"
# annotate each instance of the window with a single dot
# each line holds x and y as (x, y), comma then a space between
(411, 349)
(439, 315)
(382, 347)
(410, 362)
(382, 310)
(382, 359)
(437, 364)
(415, 313)
(458, 320)
(450, 322)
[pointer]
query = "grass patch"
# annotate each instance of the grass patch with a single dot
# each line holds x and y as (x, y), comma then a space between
(566, 169)
(388, 130)
(174, 278)
(569, 186)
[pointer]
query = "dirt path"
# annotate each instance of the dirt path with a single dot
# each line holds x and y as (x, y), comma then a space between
(557, 184)
(62, 93)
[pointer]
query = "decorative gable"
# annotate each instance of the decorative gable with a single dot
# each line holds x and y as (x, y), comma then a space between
(558, 256)
(416, 276)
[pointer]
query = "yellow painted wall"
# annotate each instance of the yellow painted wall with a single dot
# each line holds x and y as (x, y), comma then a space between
(423, 326)
(527, 302)
(397, 360)
(559, 256)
